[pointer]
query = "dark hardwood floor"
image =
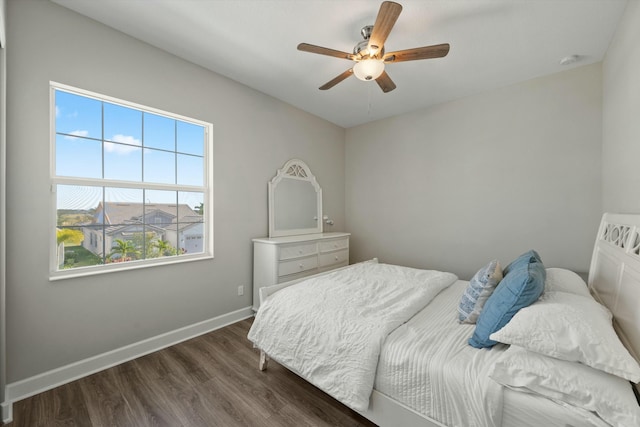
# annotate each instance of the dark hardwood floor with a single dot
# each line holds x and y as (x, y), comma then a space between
(211, 380)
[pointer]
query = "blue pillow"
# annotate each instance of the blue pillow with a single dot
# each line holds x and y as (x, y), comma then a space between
(525, 258)
(519, 288)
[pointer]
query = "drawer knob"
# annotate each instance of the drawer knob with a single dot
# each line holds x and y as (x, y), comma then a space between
(299, 251)
(336, 257)
(301, 266)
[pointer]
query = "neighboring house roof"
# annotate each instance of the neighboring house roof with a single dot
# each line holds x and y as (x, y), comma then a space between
(125, 215)
(118, 213)
(186, 222)
(131, 228)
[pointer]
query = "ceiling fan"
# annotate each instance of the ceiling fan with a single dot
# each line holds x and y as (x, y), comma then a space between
(369, 54)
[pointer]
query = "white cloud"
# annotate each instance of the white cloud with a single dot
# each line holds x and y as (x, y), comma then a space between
(75, 133)
(132, 144)
(73, 115)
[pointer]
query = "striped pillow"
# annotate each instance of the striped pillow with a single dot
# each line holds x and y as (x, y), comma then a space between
(480, 288)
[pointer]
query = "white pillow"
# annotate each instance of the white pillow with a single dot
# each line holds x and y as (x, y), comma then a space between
(573, 328)
(563, 280)
(480, 288)
(573, 385)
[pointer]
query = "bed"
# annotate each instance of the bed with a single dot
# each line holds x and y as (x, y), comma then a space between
(388, 342)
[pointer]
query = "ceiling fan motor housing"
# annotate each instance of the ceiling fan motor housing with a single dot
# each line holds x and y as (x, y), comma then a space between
(363, 46)
(366, 31)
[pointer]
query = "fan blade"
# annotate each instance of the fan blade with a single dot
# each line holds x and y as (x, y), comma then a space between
(426, 52)
(385, 82)
(306, 47)
(336, 80)
(387, 17)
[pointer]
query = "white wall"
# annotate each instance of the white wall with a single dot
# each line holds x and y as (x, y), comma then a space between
(51, 324)
(484, 177)
(621, 117)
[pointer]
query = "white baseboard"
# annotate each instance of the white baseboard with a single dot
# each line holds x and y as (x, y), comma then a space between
(7, 412)
(47, 380)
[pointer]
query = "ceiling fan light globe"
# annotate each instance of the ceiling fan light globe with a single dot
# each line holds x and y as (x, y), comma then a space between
(368, 69)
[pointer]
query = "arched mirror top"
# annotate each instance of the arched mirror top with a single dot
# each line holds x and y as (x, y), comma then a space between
(295, 201)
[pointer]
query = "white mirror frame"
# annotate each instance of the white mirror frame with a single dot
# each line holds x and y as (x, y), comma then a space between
(298, 170)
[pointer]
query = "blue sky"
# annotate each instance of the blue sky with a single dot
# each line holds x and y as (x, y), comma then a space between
(171, 151)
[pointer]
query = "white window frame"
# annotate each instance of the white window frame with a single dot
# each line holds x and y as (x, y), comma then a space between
(207, 189)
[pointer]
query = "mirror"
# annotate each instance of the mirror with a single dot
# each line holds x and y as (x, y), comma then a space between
(295, 201)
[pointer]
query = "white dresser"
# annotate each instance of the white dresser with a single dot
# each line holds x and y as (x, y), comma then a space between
(280, 259)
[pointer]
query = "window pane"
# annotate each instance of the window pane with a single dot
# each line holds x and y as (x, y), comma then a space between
(195, 201)
(159, 132)
(161, 213)
(94, 241)
(77, 204)
(123, 212)
(78, 115)
(160, 196)
(190, 139)
(79, 246)
(160, 244)
(122, 124)
(78, 157)
(191, 227)
(123, 236)
(122, 162)
(159, 166)
(191, 239)
(123, 246)
(190, 170)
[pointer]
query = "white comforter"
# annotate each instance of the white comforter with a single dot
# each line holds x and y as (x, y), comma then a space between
(330, 330)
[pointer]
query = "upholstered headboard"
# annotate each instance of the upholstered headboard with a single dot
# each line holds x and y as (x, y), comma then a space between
(614, 276)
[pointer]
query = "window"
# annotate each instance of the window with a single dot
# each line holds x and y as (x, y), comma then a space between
(132, 185)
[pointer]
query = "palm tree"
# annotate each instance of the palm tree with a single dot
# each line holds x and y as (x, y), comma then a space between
(164, 248)
(125, 248)
(199, 209)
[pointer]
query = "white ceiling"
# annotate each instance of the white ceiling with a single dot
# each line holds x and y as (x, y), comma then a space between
(494, 43)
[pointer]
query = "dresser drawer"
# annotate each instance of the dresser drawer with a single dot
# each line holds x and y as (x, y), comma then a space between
(297, 265)
(337, 257)
(300, 250)
(295, 276)
(334, 245)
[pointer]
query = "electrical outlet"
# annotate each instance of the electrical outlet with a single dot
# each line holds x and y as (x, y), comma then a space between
(240, 291)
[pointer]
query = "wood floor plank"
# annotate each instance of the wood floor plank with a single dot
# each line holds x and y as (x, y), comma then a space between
(145, 400)
(227, 409)
(62, 406)
(243, 379)
(31, 411)
(195, 410)
(105, 402)
(69, 406)
(209, 381)
(163, 371)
